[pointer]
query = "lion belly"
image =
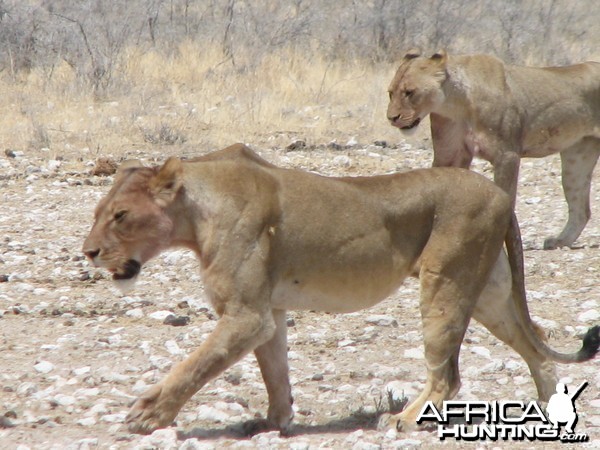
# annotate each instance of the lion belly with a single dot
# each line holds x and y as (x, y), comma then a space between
(292, 294)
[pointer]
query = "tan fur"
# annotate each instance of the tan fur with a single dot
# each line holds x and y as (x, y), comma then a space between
(271, 239)
(479, 106)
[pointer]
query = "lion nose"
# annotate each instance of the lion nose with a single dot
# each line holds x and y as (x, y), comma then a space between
(91, 254)
(393, 118)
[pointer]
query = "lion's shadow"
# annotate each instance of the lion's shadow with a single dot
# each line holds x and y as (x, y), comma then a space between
(353, 422)
(360, 419)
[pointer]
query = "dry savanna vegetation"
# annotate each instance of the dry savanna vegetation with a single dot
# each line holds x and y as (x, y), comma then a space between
(102, 77)
(88, 83)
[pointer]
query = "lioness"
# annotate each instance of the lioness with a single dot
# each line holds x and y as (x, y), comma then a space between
(270, 239)
(479, 106)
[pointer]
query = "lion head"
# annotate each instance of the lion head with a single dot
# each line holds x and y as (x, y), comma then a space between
(132, 223)
(416, 89)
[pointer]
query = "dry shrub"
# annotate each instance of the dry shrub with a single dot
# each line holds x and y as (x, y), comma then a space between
(196, 98)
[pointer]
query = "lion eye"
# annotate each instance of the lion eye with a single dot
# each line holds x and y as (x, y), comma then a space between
(409, 93)
(119, 216)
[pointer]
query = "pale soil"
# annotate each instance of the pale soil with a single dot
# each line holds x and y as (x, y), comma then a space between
(104, 348)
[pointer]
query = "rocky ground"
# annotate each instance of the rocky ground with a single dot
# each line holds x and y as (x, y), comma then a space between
(74, 353)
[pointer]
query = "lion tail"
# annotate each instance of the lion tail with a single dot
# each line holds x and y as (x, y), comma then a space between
(591, 340)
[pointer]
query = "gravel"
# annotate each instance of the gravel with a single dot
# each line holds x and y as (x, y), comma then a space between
(74, 352)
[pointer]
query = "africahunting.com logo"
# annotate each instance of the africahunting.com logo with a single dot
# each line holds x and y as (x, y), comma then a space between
(508, 420)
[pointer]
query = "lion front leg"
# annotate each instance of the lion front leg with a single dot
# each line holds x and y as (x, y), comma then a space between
(234, 336)
(273, 362)
(506, 172)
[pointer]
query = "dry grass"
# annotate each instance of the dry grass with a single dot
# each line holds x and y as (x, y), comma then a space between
(194, 99)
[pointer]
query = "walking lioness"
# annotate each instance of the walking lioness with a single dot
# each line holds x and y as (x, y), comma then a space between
(479, 106)
(271, 239)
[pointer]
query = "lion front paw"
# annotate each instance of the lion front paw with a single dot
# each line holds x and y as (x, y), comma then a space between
(395, 422)
(151, 411)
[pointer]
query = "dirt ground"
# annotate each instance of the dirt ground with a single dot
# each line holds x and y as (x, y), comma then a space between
(74, 353)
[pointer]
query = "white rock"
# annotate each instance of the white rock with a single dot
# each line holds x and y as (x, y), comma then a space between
(414, 353)
(98, 409)
(87, 422)
(593, 420)
(27, 388)
(363, 445)
(195, 444)
(116, 377)
(481, 351)
(44, 367)
(345, 343)
(173, 348)
(591, 315)
(391, 434)
(589, 304)
(145, 347)
(115, 339)
(354, 436)
(206, 412)
(119, 393)
(160, 362)
(86, 443)
(114, 418)
(165, 439)
(406, 443)
(352, 142)
(382, 320)
(65, 400)
(87, 392)
(496, 365)
(502, 381)
(136, 313)
(512, 365)
(82, 371)
(160, 315)
(342, 160)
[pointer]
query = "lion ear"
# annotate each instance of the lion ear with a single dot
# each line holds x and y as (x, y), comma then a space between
(127, 165)
(165, 185)
(440, 56)
(413, 53)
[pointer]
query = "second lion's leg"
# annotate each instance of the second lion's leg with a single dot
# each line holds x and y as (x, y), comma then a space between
(577, 168)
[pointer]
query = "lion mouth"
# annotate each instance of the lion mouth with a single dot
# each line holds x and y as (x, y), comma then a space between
(130, 270)
(412, 125)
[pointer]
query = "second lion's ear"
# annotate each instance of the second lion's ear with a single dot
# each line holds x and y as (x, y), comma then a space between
(441, 56)
(167, 182)
(413, 53)
(126, 166)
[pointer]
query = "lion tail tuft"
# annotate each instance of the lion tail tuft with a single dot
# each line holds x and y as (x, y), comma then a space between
(591, 344)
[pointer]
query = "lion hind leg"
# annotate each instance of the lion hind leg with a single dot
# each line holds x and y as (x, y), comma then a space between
(577, 169)
(496, 311)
